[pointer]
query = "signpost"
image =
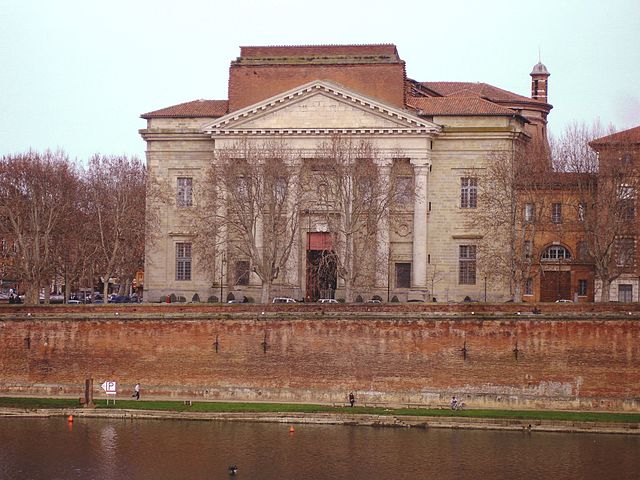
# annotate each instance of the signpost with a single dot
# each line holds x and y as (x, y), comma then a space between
(110, 389)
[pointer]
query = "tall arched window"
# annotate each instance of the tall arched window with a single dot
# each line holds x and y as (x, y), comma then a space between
(555, 253)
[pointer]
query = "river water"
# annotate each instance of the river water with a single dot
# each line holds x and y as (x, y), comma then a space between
(167, 449)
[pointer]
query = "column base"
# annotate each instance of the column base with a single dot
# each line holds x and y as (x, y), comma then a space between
(417, 294)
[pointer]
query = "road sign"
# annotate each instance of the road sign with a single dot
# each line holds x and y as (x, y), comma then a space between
(109, 387)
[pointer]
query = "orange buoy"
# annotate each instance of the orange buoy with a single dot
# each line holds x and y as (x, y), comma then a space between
(291, 429)
(70, 419)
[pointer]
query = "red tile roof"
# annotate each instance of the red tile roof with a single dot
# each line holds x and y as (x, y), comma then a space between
(626, 136)
(478, 89)
(457, 106)
(196, 108)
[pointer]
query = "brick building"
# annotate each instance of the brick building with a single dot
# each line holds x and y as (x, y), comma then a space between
(306, 94)
(587, 227)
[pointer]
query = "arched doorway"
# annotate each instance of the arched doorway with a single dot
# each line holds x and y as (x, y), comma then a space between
(321, 275)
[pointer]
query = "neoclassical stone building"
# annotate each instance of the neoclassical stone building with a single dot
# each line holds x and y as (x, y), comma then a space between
(306, 94)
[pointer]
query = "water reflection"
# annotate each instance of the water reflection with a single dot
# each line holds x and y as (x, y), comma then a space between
(147, 449)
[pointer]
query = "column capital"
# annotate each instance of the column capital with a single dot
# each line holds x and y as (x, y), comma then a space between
(383, 161)
(420, 161)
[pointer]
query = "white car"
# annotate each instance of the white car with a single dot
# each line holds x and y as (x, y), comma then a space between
(327, 300)
(283, 300)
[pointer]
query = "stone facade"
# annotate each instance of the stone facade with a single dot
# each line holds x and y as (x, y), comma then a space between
(305, 96)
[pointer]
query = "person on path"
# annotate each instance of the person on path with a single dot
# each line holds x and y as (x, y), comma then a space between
(136, 391)
(352, 399)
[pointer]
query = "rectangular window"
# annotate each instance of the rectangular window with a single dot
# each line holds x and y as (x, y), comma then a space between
(582, 288)
(528, 286)
(556, 213)
(626, 252)
(183, 261)
(184, 193)
(528, 248)
(625, 292)
(467, 265)
(468, 192)
(242, 272)
(529, 214)
(403, 275)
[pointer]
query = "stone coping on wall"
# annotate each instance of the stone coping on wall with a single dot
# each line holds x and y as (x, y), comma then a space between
(347, 419)
(409, 311)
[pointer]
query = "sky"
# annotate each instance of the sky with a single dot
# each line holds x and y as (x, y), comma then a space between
(77, 74)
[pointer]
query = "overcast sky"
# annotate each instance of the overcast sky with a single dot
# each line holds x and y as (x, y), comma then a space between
(78, 74)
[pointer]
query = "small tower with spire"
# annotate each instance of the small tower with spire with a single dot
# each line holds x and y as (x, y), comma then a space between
(539, 81)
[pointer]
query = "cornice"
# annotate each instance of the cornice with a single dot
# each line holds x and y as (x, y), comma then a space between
(414, 124)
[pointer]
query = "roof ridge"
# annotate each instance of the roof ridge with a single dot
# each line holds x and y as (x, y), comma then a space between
(323, 45)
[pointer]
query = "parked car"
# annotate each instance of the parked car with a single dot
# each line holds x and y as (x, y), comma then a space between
(119, 299)
(74, 301)
(373, 300)
(564, 300)
(327, 300)
(284, 300)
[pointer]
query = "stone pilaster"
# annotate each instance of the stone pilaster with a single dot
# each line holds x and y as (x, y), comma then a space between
(419, 259)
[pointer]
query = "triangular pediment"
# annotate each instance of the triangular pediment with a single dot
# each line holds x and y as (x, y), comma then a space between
(319, 107)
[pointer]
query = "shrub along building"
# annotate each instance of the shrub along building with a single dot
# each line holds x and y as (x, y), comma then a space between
(339, 126)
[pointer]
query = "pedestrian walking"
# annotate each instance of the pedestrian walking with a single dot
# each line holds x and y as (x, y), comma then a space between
(352, 399)
(136, 391)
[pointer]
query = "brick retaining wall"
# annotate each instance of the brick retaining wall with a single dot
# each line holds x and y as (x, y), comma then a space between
(581, 359)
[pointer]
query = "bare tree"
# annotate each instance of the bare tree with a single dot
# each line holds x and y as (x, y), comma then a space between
(512, 195)
(250, 207)
(607, 187)
(435, 275)
(76, 248)
(352, 196)
(116, 188)
(37, 193)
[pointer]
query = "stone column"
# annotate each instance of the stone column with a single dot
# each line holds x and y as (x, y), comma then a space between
(222, 261)
(254, 279)
(293, 262)
(382, 235)
(419, 263)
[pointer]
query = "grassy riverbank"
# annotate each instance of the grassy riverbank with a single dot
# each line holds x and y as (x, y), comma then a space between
(219, 407)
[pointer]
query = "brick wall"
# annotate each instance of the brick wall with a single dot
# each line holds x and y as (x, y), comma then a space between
(319, 355)
(249, 84)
